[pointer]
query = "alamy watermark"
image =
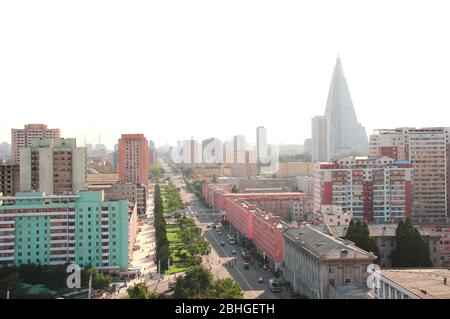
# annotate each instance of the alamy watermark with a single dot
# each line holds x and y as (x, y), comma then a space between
(235, 152)
(74, 278)
(374, 278)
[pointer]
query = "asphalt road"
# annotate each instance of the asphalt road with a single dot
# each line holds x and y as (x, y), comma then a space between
(246, 278)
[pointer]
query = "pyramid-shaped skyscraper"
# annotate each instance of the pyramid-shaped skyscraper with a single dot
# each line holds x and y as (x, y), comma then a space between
(344, 134)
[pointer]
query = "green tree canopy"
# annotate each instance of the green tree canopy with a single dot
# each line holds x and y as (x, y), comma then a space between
(410, 248)
(359, 233)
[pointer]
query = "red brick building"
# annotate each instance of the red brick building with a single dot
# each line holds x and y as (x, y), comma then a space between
(133, 159)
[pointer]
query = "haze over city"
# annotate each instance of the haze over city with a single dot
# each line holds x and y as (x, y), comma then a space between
(173, 70)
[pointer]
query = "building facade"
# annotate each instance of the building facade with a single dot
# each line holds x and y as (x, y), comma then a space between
(316, 264)
(133, 159)
(263, 229)
(293, 169)
(135, 193)
(428, 151)
(53, 166)
(9, 179)
(319, 152)
(51, 230)
(377, 189)
(22, 138)
(332, 215)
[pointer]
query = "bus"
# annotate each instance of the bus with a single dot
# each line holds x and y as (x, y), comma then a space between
(231, 239)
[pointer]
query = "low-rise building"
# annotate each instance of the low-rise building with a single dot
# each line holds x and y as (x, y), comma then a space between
(441, 227)
(302, 209)
(385, 239)
(316, 264)
(332, 215)
(412, 283)
(291, 169)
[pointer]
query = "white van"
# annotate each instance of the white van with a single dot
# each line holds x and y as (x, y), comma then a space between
(274, 285)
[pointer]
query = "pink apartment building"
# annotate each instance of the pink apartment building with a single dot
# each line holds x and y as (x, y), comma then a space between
(280, 204)
(21, 138)
(263, 229)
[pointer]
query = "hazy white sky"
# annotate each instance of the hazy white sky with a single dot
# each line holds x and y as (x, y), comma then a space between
(175, 69)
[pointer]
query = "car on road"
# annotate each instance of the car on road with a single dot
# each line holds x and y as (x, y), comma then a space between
(222, 243)
(208, 226)
(246, 265)
(214, 227)
(274, 285)
(219, 233)
(260, 280)
(233, 252)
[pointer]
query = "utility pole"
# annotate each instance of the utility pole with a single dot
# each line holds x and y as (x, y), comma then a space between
(90, 286)
(7, 294)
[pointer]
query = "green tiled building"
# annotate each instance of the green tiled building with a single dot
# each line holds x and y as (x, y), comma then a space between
(56, 229)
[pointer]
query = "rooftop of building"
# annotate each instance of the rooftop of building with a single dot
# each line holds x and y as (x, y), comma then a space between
(269, 218)
(102, 178)
(40, 198)
(425, 283)
(375, 230)
(280, 195)
(326, 247)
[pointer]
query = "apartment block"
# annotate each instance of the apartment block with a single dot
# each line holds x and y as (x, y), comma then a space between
(292, 169)
(133, 159)
(263, 229)
(22, 138)
(56, 229)
(9, 179)
(135, 193)
(375, 189)
(428, 151)
(53, 166)
(302, 209)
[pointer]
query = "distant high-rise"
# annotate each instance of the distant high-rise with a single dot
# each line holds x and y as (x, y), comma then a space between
(133, 159)
(261, 144)
(239, 148)
(428, 150)
(344, 134)
(53, 166)
(319, 139)
(152, 154)
(192, 152)
(21, 138)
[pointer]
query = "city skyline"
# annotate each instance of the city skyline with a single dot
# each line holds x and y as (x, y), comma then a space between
(282, 69)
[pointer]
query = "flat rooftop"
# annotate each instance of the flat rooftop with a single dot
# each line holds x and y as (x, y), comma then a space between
(426, 283)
